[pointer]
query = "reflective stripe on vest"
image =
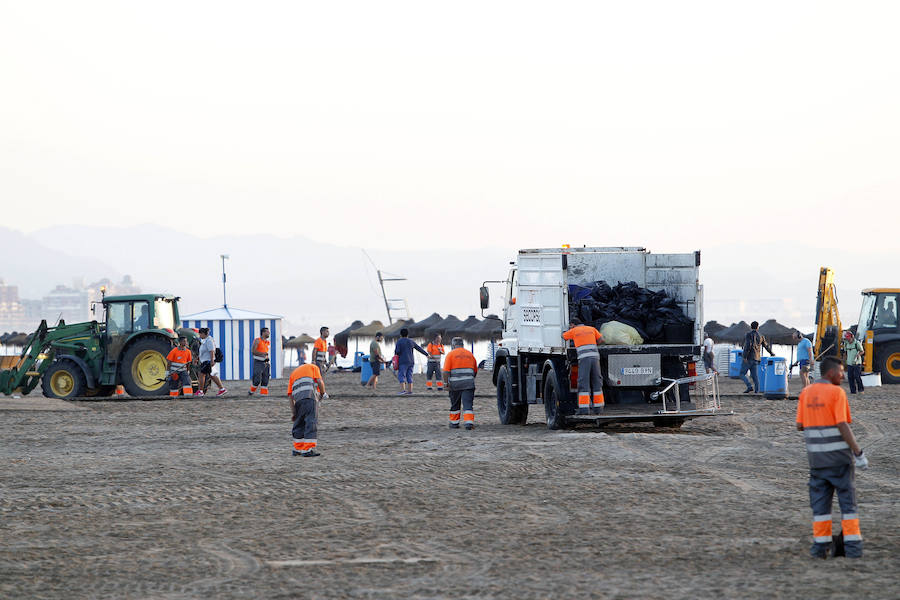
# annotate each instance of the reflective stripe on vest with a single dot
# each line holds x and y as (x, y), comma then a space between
(179, 366)
(588, 351)
(462, 379)
(825, 447)
(434, 358)
(303, 388)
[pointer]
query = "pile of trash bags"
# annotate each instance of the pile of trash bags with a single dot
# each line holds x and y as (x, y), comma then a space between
(654, 315)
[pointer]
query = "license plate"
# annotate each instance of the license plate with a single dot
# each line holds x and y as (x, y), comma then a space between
(637, 371)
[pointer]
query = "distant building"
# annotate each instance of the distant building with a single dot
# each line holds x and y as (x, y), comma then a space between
(70, 304)
(13, 316)
(122, 288)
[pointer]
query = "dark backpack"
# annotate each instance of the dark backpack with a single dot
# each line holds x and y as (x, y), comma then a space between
(219, 357)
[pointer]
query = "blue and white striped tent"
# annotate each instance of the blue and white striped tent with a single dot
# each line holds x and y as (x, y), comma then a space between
(234, 331)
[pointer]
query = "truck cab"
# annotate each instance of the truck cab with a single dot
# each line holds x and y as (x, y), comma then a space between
(879, 330)
(647, 382)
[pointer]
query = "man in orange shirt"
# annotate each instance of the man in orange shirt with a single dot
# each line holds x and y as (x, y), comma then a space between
(433, 368)
(460, 368)
(823, 416)
(304, 389)
(259, 352)
(177, 362)
(590, 380)
(320, 351)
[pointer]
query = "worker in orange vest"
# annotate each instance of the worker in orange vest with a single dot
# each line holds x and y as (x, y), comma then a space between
(590, 381)
(177, 363)
(259, 352)
(823, 415)
(433, 368)
(305, 388)
(460, 368)
(320, 351)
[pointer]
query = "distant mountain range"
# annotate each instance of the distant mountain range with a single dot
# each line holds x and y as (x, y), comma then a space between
(312, 283)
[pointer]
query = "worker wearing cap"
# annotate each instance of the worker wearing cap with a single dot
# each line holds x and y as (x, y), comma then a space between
(460, 368)
(590, 381)
(259, 351)
(305, 388)
(177, 362)
(320, 351)
(823, 415)
(433, 368)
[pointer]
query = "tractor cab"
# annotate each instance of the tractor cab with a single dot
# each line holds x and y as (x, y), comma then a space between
(879, 330)
(128, 315)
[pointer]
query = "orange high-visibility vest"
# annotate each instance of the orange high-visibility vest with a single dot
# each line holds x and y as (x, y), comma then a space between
(261, 346)
(180, 359)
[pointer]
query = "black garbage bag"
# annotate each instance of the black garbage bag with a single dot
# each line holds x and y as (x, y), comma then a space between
(653, 314)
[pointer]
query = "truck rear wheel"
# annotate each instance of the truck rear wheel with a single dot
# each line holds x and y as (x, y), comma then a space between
(64, 379)
(556, 406)
(143, 367)
(510, 414)
(888, 362)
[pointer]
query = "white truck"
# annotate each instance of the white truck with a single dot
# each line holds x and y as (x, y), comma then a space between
(648, 382)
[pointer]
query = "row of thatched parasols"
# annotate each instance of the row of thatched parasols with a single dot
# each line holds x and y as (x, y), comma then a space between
(772, 330)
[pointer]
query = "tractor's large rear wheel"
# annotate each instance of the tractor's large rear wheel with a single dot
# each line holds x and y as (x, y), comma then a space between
(64, 379)
(143, 367)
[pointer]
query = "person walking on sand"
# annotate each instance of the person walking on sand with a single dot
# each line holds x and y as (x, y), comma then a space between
(805, 358)
(259, 352)
(305, 389)
(823, 415)
(460, 368)
(433, 368)
(590, 381)
(320, 351)
(208, 367)
(376, 360)
(754, 342)
(853, 357)
(403, 350)
(709, 355)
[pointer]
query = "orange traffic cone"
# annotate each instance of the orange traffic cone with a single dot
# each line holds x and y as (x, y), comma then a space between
(120, 391)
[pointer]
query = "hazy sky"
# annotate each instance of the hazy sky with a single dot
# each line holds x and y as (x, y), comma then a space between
(673, 125)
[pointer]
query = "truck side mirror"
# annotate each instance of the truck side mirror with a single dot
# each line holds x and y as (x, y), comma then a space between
(485, 297)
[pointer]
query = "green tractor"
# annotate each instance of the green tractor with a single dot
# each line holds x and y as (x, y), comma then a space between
(128, 348)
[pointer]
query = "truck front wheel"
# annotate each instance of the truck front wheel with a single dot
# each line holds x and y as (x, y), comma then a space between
(510, 414)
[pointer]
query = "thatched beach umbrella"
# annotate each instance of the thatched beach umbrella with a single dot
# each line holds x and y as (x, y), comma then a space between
(417, 329)
(340, 339)
(734, 334)
(463, 329)
(488, 329)
(441, 327)
(298, 341)
(369, 330)
(776, 333)
(713, 327)
(393, 330)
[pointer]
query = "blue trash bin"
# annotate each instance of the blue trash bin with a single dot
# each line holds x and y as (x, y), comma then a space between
(774, 382)
(365, 372)
(357, 360)
(734, 364)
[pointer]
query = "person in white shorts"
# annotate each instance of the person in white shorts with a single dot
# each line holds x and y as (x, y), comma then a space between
(208, 366)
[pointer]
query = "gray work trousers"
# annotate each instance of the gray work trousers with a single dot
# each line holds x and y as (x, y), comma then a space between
(589, 379)
(260, 373)
(823, 483)
(306, 424)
